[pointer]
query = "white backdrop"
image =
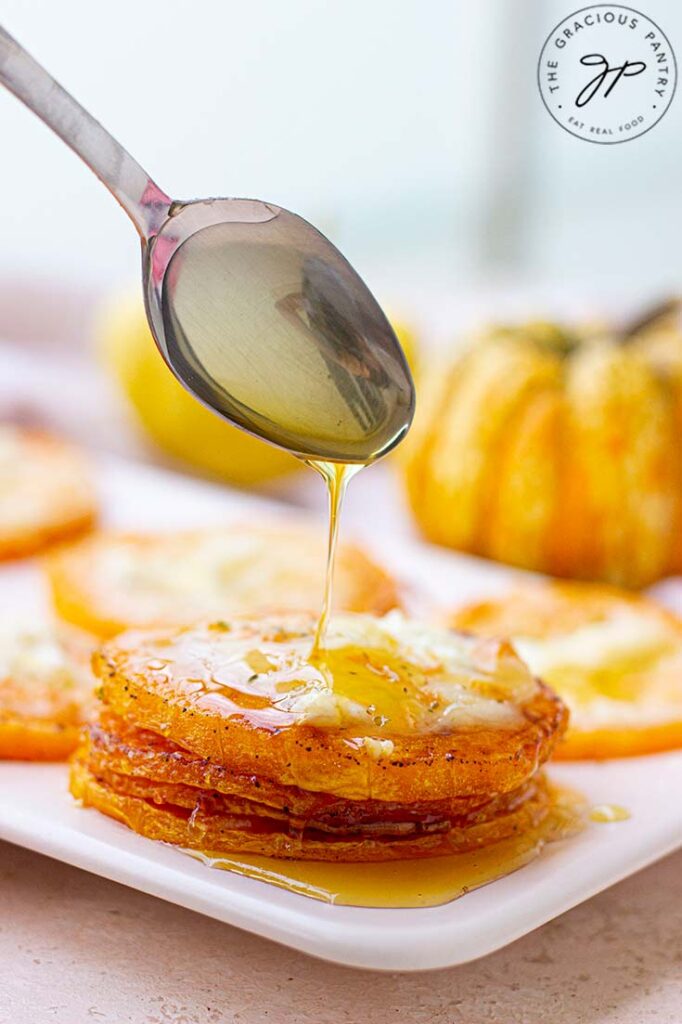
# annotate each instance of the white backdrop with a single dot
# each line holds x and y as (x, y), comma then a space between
(410, 130)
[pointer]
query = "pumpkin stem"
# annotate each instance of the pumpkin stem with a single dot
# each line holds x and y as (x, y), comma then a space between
(657, 315)
(550, 337)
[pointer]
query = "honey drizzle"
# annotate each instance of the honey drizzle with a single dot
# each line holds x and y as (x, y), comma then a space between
(423, 882)
(336, 475)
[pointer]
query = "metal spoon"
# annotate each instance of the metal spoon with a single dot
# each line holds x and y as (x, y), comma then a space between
(254, 311)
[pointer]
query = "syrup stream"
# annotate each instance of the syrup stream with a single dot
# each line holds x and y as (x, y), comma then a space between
(336, 476)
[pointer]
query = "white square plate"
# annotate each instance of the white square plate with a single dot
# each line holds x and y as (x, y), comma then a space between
(36, 810)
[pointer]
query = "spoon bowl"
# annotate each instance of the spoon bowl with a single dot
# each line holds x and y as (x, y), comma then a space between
(254, 311)
(264, 321)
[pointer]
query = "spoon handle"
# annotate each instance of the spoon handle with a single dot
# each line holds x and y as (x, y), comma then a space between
(143, 201)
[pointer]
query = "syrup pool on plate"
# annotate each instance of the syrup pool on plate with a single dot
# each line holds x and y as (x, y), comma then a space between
(606, 813)
(424, 882)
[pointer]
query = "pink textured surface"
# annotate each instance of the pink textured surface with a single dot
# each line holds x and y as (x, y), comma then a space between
(74, 947)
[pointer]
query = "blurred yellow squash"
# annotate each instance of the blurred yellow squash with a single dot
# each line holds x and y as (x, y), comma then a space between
(556, 450)
(408, 343)
(175, 420)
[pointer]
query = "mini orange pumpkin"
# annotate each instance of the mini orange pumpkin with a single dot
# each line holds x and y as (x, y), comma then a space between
(555, 450)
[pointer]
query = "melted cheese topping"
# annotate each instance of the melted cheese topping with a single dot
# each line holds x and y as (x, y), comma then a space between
(379, 676)
(189, 576)
(626, 634)
(625, 666)
(38, 678)
(18, 501)
(215, 562)
(40, 480)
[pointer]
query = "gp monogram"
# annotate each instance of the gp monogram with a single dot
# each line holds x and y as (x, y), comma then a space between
(607, 73)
